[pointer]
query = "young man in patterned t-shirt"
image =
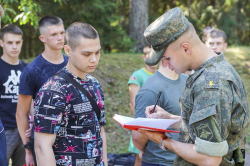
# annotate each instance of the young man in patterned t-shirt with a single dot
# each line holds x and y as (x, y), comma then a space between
(67, 131)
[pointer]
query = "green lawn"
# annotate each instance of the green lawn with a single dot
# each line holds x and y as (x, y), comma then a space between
(114, 71)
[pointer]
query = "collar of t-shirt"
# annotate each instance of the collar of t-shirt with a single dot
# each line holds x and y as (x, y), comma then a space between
(78, 79)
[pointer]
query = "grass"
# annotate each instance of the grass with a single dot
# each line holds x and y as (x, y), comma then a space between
(113, 73)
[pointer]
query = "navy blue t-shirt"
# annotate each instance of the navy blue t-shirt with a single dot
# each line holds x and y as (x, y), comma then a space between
(37, 73)
(9, 87)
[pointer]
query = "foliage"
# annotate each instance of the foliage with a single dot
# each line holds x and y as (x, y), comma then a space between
(111, 18)
(28, 11)
(113, 73)
(231, 16)
(101, 14)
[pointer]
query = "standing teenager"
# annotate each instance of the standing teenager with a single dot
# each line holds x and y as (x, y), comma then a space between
(68, 128)
(36, 74)
(11, 67)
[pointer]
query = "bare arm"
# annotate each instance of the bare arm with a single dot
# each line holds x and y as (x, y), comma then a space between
(184, 150)
(31, 120)
(188, 153)
(133, 90)
(104, 146)
(43, 149)
(23, 107)
(139, 140)
(31, 111)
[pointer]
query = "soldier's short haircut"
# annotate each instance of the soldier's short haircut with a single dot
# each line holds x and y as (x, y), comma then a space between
(217, 33)
(77, 30)
(48, 21)
(10, 28)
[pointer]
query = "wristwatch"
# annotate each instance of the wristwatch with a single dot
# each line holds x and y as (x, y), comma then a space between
(27, 145)
(161, 144)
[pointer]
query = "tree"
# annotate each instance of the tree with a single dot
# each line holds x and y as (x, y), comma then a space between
(103, 15)
(138, 22)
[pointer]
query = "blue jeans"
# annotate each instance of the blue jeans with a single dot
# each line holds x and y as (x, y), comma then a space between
(3, 149)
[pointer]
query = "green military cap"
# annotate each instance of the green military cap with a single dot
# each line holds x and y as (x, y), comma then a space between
(163, 31)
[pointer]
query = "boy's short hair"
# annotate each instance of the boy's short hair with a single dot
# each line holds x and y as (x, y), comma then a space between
(77, 30)
(10, 28)
(48, 21)
(207, 28)
(217, 33)
(147, 49)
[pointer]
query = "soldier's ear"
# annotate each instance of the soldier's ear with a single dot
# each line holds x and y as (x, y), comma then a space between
(186, 48)
(164, 62)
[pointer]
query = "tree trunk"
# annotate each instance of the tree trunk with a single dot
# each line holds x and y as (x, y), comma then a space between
(239, 21)
(138, 22)
(189, 8)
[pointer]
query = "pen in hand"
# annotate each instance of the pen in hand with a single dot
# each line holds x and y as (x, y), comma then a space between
(158, 96)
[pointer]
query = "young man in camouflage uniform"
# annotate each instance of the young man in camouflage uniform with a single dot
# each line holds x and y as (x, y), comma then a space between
(215, 110)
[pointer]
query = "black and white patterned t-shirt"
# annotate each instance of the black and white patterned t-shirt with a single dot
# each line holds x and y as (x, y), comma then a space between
(63, 110)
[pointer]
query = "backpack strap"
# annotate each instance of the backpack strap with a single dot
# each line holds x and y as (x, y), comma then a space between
(84, 91)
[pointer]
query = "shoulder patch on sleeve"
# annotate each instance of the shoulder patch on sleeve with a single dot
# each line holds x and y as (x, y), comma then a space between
(207, 130)
(212, 81)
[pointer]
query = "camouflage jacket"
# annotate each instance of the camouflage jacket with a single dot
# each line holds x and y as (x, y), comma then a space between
(215, 111)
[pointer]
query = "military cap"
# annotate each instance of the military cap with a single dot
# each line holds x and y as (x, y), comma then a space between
(163, 31)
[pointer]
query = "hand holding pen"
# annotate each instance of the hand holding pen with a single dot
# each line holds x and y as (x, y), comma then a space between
(158, 96)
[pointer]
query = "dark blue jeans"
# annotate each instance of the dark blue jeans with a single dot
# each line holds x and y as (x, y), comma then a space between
(3, 149)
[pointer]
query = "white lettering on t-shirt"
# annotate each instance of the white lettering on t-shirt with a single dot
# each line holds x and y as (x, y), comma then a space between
(11, 84)
(48, 106)
(50, 118)
(62, 131)
(76, 127)
(85, 162)
(83, 107)
(64, 160)
(7, 97)
(14, 101)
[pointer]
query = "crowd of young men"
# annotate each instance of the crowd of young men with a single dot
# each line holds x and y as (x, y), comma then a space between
(67, 130)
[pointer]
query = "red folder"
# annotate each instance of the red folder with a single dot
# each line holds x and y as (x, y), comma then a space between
(159, 125)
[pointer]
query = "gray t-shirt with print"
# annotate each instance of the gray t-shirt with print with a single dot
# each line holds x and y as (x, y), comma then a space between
(172, 90)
